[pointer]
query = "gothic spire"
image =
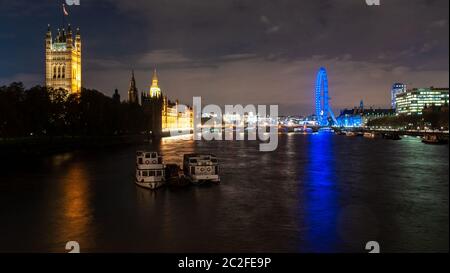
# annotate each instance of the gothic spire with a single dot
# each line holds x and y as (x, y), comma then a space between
(133, 92)
(155, 77)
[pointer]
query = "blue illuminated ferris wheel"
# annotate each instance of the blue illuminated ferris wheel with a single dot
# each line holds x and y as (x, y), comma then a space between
(323, 109)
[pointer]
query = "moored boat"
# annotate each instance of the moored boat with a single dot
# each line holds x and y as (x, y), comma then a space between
(201, 168)
(433, 139)
(391, 136)
(150, 170)
(175, 176)
(369, 135)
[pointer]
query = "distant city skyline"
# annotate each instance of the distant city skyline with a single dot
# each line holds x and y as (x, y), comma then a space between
(245, 52)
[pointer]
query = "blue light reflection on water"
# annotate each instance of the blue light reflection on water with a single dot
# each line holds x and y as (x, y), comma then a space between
(320, 195)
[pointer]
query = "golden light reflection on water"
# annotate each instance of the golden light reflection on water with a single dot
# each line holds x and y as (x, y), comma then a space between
(173, 148)
(144, 196)
(75, 211)
(171, 139)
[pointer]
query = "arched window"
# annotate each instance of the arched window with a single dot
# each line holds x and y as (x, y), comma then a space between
(54, 72)
(59, 72)
(63, 72)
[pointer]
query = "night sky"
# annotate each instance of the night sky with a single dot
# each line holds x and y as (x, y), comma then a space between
(236, 51)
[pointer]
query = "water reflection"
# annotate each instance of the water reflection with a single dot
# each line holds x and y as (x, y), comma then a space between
(75, 211)
(315, 193)
(320, 192)
(173, 148)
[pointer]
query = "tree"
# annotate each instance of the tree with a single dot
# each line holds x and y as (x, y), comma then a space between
(54, 112)
(36, 110)
(11, 110)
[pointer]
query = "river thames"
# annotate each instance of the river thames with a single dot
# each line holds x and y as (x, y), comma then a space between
(315, 193)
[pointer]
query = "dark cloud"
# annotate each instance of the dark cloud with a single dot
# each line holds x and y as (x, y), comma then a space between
(241, 50)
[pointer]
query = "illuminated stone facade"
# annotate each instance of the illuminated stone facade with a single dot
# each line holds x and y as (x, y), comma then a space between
(173, 117)
(165, 115)
(63, 60)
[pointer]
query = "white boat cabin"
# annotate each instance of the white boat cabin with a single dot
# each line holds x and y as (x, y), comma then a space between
(149, 160)
(201, 168)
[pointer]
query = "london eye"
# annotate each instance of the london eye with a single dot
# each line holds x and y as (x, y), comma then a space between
(323, 109)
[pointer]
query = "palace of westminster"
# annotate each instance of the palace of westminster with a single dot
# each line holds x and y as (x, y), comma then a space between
(63, 70)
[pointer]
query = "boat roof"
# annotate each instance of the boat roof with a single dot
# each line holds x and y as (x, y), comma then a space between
(146, 152)
(199, 155)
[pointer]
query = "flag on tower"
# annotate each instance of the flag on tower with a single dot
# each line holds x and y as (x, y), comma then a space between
(64, 10)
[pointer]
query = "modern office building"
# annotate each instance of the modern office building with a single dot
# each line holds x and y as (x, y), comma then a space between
(397, 88)
(413, 101)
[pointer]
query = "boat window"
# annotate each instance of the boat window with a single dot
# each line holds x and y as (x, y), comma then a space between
(192, 170)
(147, 155)
(213, 160)
(193, 161)
(144, 173)
(154, 155)
(140, 160)
(158, 173)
